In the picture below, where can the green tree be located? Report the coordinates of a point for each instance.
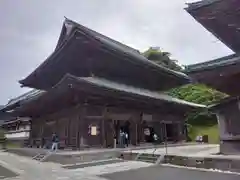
(196, 93)
(200, 94)
(162, 58)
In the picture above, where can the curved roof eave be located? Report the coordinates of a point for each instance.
(100, 82)
(223, 61)
(96, 82)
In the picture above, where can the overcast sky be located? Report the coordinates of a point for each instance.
(29, 30)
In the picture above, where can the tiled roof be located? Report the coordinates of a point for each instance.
(125, 52)
(124, 48)
(136, 91)
(109, 85)
(224, 61)
(199, 4)
(31, 94)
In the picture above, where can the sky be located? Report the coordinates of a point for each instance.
(29, 30)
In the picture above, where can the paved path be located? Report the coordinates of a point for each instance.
(190, 150)
(29, 169)
(147, 146)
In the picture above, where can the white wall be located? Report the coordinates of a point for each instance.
(17, 135)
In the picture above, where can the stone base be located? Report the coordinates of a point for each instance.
(230, 147)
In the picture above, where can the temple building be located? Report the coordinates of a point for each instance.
(221, 18)
(16, 130)
(91, 87)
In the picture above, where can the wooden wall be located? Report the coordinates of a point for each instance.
(73, 126)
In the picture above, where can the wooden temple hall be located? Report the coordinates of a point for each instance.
(91, 87)
(221, 17)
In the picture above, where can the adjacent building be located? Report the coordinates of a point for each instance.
(221, 18)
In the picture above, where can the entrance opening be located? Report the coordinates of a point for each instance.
(170, 132)
(148, 134)
(123, 126)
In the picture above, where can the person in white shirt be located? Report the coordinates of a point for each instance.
(126, 139)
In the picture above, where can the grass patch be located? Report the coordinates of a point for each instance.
(211, 131)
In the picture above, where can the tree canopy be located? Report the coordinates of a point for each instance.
(162, 58)
(196, 93)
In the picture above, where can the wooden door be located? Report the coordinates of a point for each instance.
(109, 133)
(72, 133)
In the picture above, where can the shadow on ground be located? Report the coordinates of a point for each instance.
(168, 173)
(5, 173)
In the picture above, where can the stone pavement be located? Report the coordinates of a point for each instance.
(189, 150)
(169, 173)
(29, 169)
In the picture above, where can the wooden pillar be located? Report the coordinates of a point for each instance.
(41, 134)
(30, 134)
(80, 127)
(102, 129)
(136, 118)
(68, 131)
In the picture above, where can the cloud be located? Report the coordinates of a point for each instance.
(30, 29)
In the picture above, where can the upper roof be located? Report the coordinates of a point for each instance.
(82, 52)
(221, 18)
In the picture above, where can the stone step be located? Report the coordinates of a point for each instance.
(150, 158)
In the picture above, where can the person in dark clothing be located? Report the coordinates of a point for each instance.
(55, 142)
(43, 142)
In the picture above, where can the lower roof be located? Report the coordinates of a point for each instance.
(222, 74)
(104, 87)
(104, 83)
(212, 64)
(15, 101)
(224, 102)
(15, 120)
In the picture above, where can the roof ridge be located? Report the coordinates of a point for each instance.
(95, 32)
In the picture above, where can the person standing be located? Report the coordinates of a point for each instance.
(55, 142)
(126, 139)
(121, 138)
